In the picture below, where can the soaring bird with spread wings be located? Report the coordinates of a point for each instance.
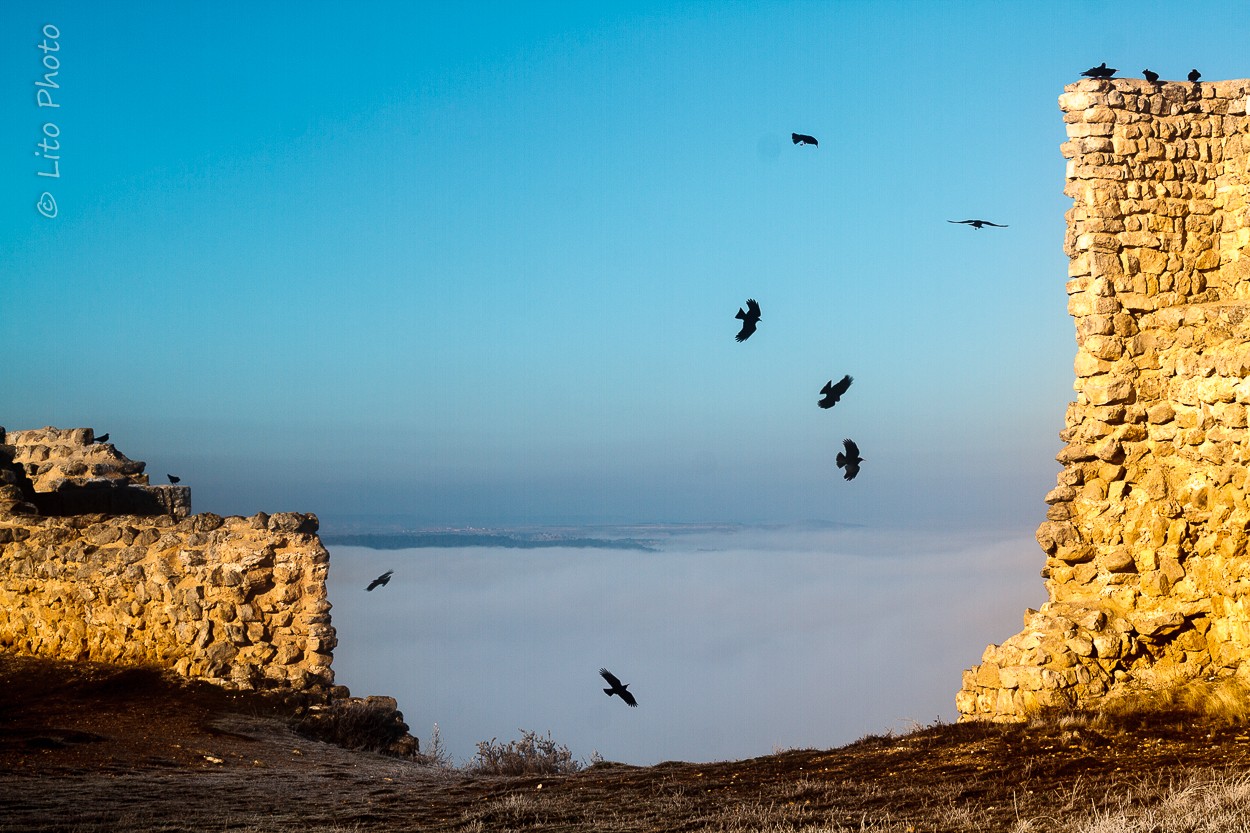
(804, 139)
(385, 578)
(976, 224)
(850, 460)
(621, 690)
(749, 319)
(832, 393)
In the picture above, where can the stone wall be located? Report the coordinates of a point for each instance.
(1147, 570)
(237, 601)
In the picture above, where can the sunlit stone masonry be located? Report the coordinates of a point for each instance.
(95, 564)
(1147, 569)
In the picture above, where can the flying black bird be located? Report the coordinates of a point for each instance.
(832, 393)
(1100, 71)
(749, 319)
(804, 139)
(976, 224)
(850, 460)
(1194, 75)
(103, 438)
(173, 479)
(380, 580)
(617, 688)
(1152, 77)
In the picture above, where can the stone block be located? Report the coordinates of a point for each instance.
(1107, 389)
(1080, 645)
(1160, 412)
(1159, 624)
(1119, 560)
(986, 675)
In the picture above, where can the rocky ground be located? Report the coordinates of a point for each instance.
(89, 748)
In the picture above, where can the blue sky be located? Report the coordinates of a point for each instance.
(480, 264)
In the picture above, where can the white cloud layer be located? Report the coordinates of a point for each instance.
(735, 643)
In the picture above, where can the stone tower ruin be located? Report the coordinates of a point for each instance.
(1147, 568)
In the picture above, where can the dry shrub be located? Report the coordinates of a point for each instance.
(531, 755)
(435, 754)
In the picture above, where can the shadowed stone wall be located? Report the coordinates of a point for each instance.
(1147, 569)
(72, 474)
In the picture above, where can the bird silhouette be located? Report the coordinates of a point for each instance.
(850, 460)
(804, 139)
(103, 438)
(173, 479)
(976, 224)
(749, 319)
(380, 580)
(832, 393)
(1152, 77)
(618, 689)
(1100, 71)
(1194, 75)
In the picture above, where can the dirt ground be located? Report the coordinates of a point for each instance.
(89, 748)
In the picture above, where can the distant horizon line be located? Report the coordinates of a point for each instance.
(394, 531)
(391, 522)
(617, 536)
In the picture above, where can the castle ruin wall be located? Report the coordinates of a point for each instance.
(1147, 570)
(236, 601)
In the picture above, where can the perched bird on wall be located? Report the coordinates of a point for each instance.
(173, 479)
(1194, 75)
(103, 438)
(1100, 71)
(832, 393)
(1152, 77)
(850, 460)
(617, 689)
(804, 139)
(749, 319)
(976, 224)
(380, 580)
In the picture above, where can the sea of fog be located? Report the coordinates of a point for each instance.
(737, 641)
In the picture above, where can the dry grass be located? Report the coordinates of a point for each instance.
(1190, 706)
(1221, 702)
(89, 750)
(1193, 802)
(1197, 803)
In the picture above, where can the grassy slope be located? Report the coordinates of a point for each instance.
(90, 748)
